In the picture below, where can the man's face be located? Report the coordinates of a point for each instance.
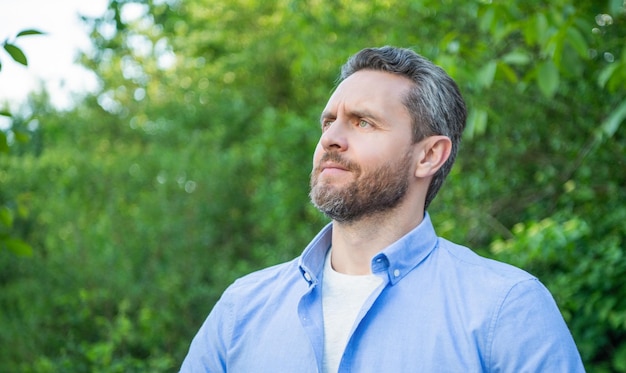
(363, 162)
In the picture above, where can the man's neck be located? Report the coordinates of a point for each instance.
(355, 243)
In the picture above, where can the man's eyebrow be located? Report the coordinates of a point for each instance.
(326, 114)
(365, 114)
(353, 113)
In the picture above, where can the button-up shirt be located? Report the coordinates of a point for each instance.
(440, 308)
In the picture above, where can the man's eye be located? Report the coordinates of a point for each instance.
(364, 124)
(326, 124)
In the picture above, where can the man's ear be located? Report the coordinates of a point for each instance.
(432, 153)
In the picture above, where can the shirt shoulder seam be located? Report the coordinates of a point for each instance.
(496, 316)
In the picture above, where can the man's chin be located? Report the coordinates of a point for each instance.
(329, 191)
(333, 182)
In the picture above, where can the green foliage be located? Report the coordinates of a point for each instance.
(585, 273)
(10, 208)
(14, 51)
(190, 167)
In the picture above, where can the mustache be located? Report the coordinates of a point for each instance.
(340, 160)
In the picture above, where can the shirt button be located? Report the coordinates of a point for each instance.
(396, 272)
(307, 276)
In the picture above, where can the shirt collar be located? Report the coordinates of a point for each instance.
(311, 261)
(397, 259)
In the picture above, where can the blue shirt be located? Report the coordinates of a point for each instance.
(440, 308)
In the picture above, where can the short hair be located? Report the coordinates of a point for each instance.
(434, 103)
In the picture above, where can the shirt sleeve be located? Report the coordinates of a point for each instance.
(207, 352)
(530, 335)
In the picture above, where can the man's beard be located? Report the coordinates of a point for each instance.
(379, 190)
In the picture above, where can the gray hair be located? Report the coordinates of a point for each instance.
(434, 103)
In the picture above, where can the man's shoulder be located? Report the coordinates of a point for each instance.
(486, 285)
(257, 297)
(260, 280)
(478, 265)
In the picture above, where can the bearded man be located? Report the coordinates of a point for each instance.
(377, 290)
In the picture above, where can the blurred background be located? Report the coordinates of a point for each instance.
(171, 155)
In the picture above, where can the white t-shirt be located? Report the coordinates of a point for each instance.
(342, 299)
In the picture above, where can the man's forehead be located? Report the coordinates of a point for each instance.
(366, 90)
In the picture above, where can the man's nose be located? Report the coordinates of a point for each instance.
(335, 136)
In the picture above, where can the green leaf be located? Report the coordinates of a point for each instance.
(610, 126)
(486, 20)
(541, 28)
(21, 136)
(578, 42)
(516, 58)
(6, 113)
(6, 217)
(18, 247)
(4, 145)
(548, 78)
(29, 32)
(16, 53)
(606, 74)
(485, 75)
(616, 6)
(619, 358)
(508, 72)
(476, 123)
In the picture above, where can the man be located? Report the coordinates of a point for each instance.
(376, 290)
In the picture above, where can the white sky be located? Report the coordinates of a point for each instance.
(50, 56)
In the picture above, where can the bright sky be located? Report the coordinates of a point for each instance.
(50, 56)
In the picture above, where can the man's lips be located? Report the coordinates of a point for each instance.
(332, 169)
(332, 166)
